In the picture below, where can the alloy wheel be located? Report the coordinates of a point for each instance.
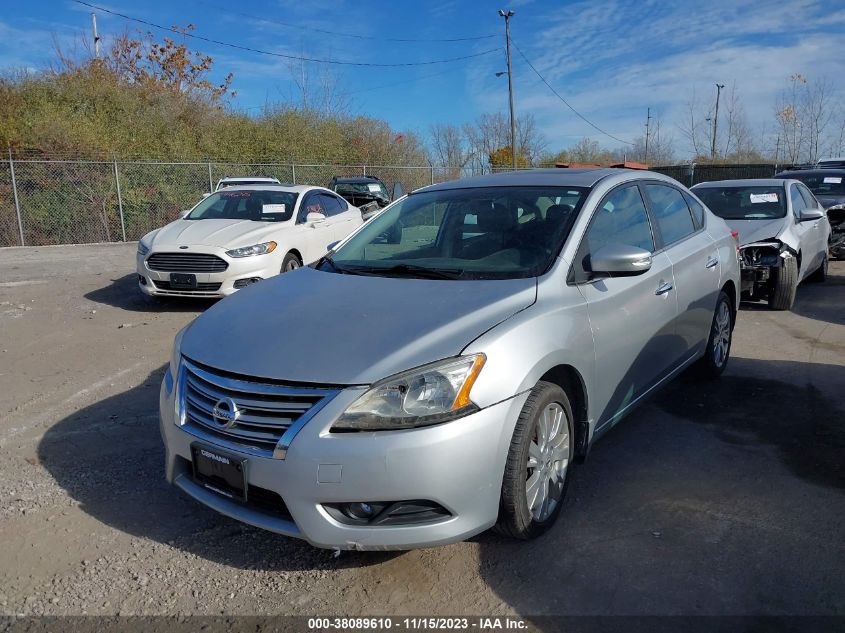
(721, 334)
(548, 460)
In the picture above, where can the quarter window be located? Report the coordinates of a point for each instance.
(622, 219)
(696, 209)
(671, 212)
(798, 204)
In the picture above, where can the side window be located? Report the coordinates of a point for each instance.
(798, 204)
(809, 198)
(311, 204)
(671, 212)
(331, 205)
(622, 219)
(696, 209)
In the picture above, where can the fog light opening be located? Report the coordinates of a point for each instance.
(243, 283)
(142, 280)
(360, 510)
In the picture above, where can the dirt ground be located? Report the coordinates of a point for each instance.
(718, 498)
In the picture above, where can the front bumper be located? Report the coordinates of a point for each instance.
(259, 266)
(458, 465)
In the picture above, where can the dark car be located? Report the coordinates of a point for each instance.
(368, 193)
(828, 185)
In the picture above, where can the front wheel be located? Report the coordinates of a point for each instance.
(719, 343)
(820, 274)
(537, 468)
(290, 262)
(784, 285)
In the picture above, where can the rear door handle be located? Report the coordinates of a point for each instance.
(712, 262)
(663, 288)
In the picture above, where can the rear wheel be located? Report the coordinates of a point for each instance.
(719, 343)
(784, 285)
(537, 468)
(291, 262)
(820, 274)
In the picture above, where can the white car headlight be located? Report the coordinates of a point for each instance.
(428, 395)
(255, 249)
(143, 249)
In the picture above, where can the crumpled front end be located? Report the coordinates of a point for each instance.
(757, 263)
(836, 217)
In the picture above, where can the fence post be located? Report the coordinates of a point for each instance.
(365, 170)
(15, 193)
(293, 173)
(210, 181)
(119, 201)
(432, 174)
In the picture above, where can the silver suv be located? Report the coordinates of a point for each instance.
(441, 370)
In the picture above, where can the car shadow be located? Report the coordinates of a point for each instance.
(109, 457)
(819, 301)
(123, 293)
(717, 497)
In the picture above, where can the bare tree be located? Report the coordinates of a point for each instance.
(491, 132)
(661, 146)
(696, 128)
(818, 114)
(448, 148)
(319, 88)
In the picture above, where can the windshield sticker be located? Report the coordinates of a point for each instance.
(374, 188)
(234, 194)
(272, 208)
(833, 180)
(764, 197)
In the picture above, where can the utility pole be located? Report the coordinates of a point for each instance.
(507, 15)
(715, 122)
(647, 122)
(96, 37)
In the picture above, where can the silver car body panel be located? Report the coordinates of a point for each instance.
(621, 338)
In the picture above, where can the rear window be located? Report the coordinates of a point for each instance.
(744, 203)
(822, 184)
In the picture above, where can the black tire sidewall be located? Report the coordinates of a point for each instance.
(515, 518)
(290, 257)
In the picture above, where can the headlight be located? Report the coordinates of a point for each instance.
(143, 249)
(427, 395)
(255, 249)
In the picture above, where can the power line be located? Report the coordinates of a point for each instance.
(284, 55)
(566, 103)
(352, 35)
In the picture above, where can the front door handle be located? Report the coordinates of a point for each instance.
(712, 262)
(663, 288)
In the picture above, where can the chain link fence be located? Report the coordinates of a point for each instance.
(45, 202)
(76, 202)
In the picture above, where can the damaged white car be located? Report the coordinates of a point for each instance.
(783, 234)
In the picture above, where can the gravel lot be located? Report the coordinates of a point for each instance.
(724, 498)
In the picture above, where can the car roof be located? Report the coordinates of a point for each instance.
(274, 187)
(824, 171)
(743, 182)
(556, 176)
(353, 179)
(257, 178)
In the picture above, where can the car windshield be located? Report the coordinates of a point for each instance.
(744, 203)
(367, 188)
(259, 205)
(830, 184)
(475, 233)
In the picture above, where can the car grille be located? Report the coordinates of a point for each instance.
(269, 416)
(201, 287)
(187, 262)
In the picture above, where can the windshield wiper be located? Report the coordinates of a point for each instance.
(412, 270)
(327, 259)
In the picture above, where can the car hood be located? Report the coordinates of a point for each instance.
(756, 230)
(326, 328)
(221, 233)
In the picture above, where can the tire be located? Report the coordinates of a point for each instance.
(546, 410)
(784, 284)
(290, 262)
(820, 274)
(718, 350)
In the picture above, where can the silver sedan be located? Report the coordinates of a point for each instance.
(441, 370)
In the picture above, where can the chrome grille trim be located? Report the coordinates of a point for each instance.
(187, 263)
(272, 414)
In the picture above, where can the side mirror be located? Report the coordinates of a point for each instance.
(184, 214)
(397, 191)
(620, 259)
(315, 218)
(808, 215)
(205, 195)
(330, 248)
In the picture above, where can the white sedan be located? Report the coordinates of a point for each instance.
(241, 235)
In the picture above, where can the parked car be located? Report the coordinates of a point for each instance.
(365, 192)
(783, 234)
(440, 372)
(240, 235)
(229, 181)
(828, 186)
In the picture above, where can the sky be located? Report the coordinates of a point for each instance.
(611, 60)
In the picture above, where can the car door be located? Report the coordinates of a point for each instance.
(807, 232)
(632, 317)
(348, 217)
(821, 227)
(695, 266)
(313, 237)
